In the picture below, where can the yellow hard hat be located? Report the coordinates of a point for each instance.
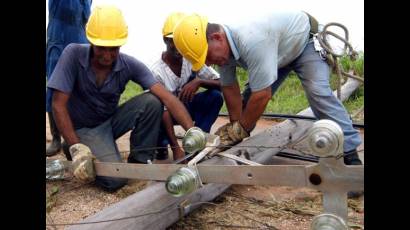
(106, 27)
(190, 39)
(171, 21)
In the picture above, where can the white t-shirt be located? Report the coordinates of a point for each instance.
(173, 83)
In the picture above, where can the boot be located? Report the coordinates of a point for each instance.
(162, 154)
(352, 158)
(55, 145)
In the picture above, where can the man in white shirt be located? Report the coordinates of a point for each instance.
(175, 73)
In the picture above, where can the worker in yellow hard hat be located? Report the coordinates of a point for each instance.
(88, 81)
(176, 75)
(268, 47)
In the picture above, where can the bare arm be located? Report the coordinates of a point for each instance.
(188, 91)
(174, 106)
(169, 127)
(233, 100)
(210, 84)
(62, 118)
(254, 108)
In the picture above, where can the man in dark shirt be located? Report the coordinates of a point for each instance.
(88, 81)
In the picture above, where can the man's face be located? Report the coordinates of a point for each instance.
(218, 52)
(106, 56)
(171, 48)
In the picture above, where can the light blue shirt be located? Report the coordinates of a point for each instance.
(263, 45)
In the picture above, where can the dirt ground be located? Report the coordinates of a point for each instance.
(250, 207)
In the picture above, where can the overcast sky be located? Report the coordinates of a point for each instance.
(145, 18)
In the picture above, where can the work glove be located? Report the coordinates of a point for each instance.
(222, 129)
(83, 167)
(232, 134)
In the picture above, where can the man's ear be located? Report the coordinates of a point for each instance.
(215, 36)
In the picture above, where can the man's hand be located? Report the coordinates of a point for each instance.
(178, 153)
(83, 166)
(188, 91)
(232, 134)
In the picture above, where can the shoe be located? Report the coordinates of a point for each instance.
(53, 148)
(352, 158)
(55, 145)
(162, 154)
(135, 161)
(355, 194)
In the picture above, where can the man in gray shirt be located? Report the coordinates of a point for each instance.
(88, 81)
(269, 47)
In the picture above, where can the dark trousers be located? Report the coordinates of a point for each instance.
(141, 114)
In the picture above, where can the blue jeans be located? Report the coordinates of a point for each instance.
(204, 110)
(314, 74)
(141, 114)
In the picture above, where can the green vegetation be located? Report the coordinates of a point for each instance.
(290, 97)
(130, 91)
(51, 198)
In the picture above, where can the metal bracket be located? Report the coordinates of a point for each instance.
(330, 175)
(239, 159)
(182, 208)
(214, 141)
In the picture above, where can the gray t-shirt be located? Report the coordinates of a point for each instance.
(90, 105)
(264, 44)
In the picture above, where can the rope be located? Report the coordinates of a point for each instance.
(333, 57)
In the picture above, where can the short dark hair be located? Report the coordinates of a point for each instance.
(212, 28)
(167, 39)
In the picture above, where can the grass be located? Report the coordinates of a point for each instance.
(51, 198)
(290, 97)
(132, 89)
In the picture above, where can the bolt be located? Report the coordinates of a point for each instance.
(315, 179)
(250, 176)
(321, 142)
